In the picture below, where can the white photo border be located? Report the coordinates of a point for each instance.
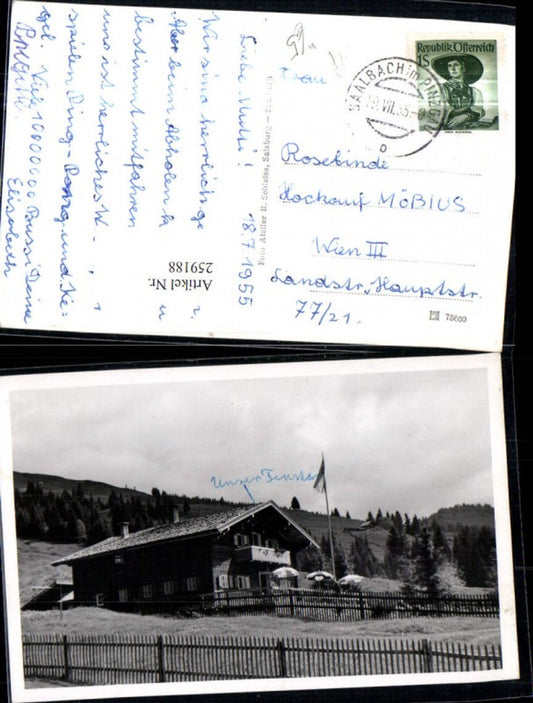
(206, 374)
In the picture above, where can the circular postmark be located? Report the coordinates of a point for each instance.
(401, 102)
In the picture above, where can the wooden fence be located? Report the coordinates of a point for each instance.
(110, 659)
(347, 607)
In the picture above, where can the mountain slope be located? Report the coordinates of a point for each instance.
(58, 484)
(471, 515)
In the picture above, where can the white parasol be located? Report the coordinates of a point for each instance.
(284, 572)
(350, 580)
(320, 576)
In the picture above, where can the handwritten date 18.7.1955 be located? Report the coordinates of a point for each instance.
(245, 273)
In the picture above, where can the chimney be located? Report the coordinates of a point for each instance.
(175, 514)
(124, 529)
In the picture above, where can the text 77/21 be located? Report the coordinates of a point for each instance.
(320, 313)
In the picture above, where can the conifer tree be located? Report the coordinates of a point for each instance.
(396, 553)
(487, 551)
(310, 559)
(97, 530)
(425, 564)
(362, 560)
(341, 565)
(398, 520)
(415, 526)
(440, 544)
(475, 555)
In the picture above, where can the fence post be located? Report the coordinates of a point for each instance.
(361, 604)
(161, 658)
(427, 661)
(291, 596)
(66, 658)
(280, 646)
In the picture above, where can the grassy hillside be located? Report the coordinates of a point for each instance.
(34, 565)
(317, 525)
(102, 621)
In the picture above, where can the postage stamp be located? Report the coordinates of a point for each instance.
(467, 72)
(402, 102)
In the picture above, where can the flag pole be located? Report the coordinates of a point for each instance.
(319, 484)
(330, 533)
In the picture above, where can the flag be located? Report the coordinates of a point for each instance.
(320, 481)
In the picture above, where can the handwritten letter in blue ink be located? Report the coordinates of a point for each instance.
(252, 175)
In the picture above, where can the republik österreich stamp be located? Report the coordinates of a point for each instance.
(467, 72)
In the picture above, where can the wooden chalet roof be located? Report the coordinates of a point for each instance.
(213, 523)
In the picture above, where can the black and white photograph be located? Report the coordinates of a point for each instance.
(226, 528)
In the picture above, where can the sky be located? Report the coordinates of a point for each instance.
(410, 441)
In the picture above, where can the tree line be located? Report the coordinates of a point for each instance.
(417, 552)
(74, 516)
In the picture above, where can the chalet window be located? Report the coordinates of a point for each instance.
(99, 599)
(241, 540)
(243, 581)
(191, 583)
(271, 543)
(169, 587)
(223, 581)
(122, 595)
(256, 539)
(147, 590)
